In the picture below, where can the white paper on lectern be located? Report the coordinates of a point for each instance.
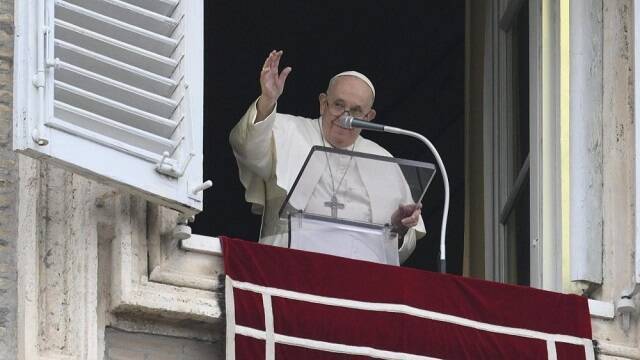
(349, 241)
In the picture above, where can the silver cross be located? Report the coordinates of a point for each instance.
(334, 205)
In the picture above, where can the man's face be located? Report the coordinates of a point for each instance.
(346, 94)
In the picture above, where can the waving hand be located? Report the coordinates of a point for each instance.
(271, 84)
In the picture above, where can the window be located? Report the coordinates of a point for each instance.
(507, 136)
(113, 90)
(515, 212)
(522, 156)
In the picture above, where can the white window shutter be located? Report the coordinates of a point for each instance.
(113, 89)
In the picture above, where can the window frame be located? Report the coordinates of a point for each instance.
(544, 115)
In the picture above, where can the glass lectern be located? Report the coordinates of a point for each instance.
(342, 202)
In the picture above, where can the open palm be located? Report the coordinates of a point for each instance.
(272, 82)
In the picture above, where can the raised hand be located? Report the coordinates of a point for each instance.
(271, 83)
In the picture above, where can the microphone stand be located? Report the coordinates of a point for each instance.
(351, 122)
(445, 180)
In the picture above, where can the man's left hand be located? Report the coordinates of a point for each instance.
(405, 217)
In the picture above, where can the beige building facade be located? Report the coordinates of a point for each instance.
(90, 269)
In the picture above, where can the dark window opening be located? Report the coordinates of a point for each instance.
(412, 50)
(520, 240)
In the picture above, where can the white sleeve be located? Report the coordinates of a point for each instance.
(252, 143)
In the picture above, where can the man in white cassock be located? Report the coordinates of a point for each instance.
(271, 148)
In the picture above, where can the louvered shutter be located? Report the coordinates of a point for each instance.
(118, 92)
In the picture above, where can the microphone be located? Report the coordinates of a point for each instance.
(349, 122)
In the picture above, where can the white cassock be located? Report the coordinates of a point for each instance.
(270, 155)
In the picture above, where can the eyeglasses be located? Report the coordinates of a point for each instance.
(338, 108)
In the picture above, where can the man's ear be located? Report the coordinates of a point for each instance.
(371, 115)
(322, 99)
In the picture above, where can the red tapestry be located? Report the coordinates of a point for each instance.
(290, 304)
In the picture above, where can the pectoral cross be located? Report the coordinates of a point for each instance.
(334, 205)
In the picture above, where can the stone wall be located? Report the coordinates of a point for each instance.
(122, 345)
(8, 190)
(83, 251)
(618, 175)
(83, 254)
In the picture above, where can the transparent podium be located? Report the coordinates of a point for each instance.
(342, 203)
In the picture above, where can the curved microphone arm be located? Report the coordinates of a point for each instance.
(351, 122)
(445, 180)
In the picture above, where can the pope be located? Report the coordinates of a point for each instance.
(271, 147)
